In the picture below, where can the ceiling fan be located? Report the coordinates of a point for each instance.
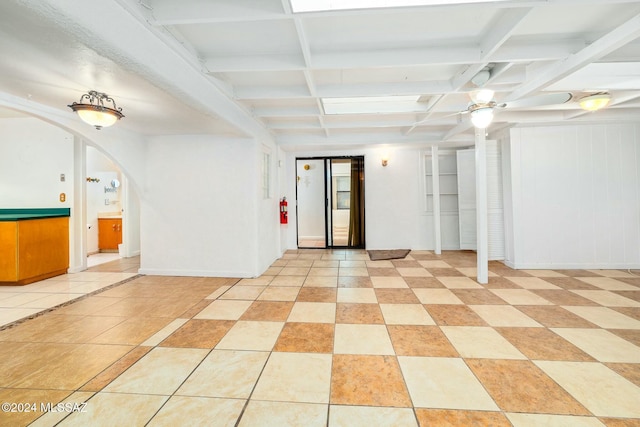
(483, 105)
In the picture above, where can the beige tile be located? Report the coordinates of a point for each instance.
(224, 310)
(325, 264)
(287, 281)
(353, 272)
(608, 283)
(503, 315)
(353, 264)
(362, 339)
(436, 296)
(324, 271)
(221, 290)
(459, 282)
(132, 410)
(607, 298)
(250, 335)
(537, 420)
(163, 333)
(480, 342)
(532, 283)
(357, 295)
(600, 344)
(225, 373)
(161, 371)
(279, 293)
(202, 411)
(405, 314)
(414, 272)
(473, 272)
(366, 416)
(379, 264)
(243, 293)
(51, 418)
(295, 377)
(520, 297)
(598, 388)
(257, 281)
(279, 414)
(388, 282)
(605, 317)
(321, 281)
(313, 312)
(442, 382)
(612, 273)
(294, 271)
(544, 273)
(300, 263)
(434, 264)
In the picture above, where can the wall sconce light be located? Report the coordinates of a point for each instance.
(595, 102)
(95, 112)
(385, 161)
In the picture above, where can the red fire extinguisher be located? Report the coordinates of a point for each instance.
(283, 210)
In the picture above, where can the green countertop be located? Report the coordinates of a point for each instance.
(33, 213)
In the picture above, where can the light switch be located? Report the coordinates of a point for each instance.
(62, 177)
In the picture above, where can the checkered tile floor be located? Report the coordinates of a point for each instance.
(331, 338)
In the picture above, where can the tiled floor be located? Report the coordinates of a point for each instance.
(330, 338)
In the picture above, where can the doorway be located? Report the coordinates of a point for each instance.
(330, 202)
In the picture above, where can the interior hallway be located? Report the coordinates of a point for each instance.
(331, 338)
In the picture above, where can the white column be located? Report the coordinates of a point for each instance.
(78, 225)
(481, 207)
(435, 178)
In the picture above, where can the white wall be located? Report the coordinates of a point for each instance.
(198, 211)
(33, 154)
(394, 207)
(267, 215)
(575, 197)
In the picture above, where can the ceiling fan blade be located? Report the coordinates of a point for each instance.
(539, 101)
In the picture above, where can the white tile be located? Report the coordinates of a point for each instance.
(481, 343)
(607, 298)
(504, 315)
(367, 416)
(445, 383)
(250, 335)
(598, 388)
(405, 314)
(161, 371)
(202, 411)
(313, 312)
(280, 414)
(608, 283)
(295, 377)
(601, 344)
(604, 317)
(362, 339)
(225, 373)
(436, 296)
(532, 283)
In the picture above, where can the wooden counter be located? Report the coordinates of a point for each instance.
(34, 244)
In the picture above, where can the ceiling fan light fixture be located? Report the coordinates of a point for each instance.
(482, 117)
(482, 96)
(595, 102)
(92, 109)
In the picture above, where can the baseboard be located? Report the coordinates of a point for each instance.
(196, 273)
(571, 266)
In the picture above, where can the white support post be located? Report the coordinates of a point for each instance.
(435, 177)
(78, 224)
(481, 207)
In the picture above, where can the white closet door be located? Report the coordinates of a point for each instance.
(467, 198)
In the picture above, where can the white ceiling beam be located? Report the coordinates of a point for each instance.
(276, 112)
(611, 41)
(272, 92)
(284, 62)
(396, 57)
(384, 89)
(541, 50)
(171, 12)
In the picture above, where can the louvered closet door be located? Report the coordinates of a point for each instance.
(467, 200)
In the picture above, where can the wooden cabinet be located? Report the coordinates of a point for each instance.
(33, 249)
(109, 233)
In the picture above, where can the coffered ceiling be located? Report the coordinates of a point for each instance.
(241, 67)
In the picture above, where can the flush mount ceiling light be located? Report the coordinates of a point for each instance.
(595, 102)
(94, 111)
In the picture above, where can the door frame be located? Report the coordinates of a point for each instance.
(327, 200)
